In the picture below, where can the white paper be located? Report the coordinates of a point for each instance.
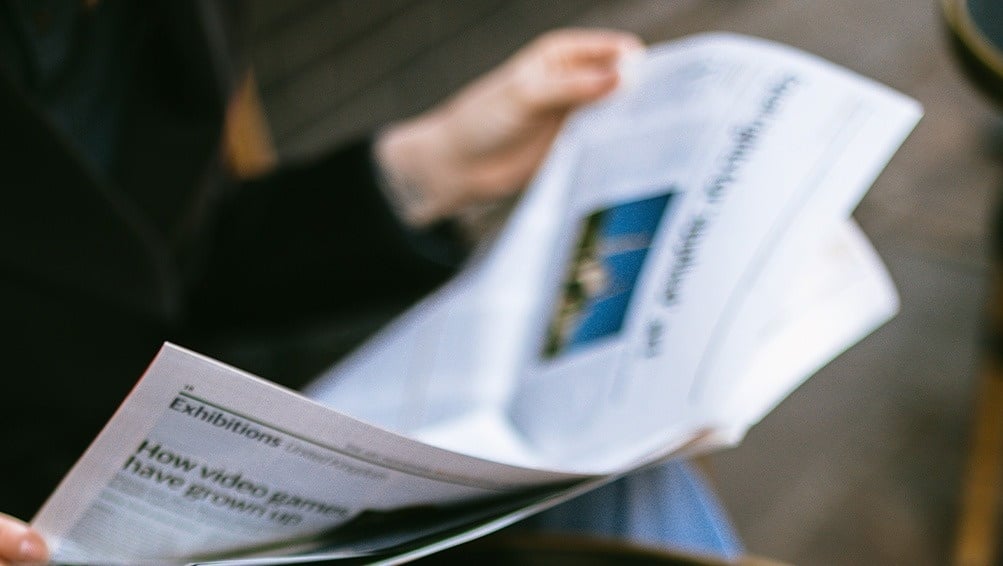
(737, 152)
(205, 459)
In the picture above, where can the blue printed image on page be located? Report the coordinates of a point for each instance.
(603, 273)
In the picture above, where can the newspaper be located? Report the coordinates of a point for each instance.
(683, 260)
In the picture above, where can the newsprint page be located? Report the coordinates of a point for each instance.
(684, 259)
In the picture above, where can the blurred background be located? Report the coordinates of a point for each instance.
(863, 464)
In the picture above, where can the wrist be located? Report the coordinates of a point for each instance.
(413, 158)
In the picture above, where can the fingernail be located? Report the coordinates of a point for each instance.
(32, 550)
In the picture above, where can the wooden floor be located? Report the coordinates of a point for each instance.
(862, 465)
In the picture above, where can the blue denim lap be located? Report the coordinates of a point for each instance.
(668, 506)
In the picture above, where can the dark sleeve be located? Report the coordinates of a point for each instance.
(315, 240)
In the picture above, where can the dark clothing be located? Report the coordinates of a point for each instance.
(98, 269)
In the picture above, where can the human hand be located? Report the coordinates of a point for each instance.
(19, 543)
(486, 141)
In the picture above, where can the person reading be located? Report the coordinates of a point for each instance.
(123, 229)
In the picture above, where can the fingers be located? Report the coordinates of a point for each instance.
(19, 543)
(486, 141)
(567, 68)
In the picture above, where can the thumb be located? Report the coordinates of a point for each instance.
(573, 88)
(573, 67)
(20, 543)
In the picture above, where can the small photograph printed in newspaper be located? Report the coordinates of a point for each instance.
(602, 273)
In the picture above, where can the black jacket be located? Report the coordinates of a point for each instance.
(95, 275)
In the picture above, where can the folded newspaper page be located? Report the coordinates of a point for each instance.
(623, 302)
(684, 259)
